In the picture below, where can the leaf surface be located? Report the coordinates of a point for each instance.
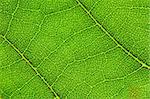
(74, 49)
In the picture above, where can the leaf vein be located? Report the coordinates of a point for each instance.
(81, 60)
(111, 37)
(30, 64)
(23, 85)
(65, 42)
(120, 78)
(40, 25)
(12, 17)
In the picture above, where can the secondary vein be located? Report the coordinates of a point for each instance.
(111, 37)
(30, 64)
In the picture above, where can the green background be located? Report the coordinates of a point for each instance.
(68, 49)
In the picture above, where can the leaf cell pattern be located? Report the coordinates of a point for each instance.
(74, 49)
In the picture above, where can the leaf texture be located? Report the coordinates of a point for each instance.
(74, 49)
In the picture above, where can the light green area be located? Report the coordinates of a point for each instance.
(74, 49)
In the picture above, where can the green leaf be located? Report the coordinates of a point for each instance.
(74, 49)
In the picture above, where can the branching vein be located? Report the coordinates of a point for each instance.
(12, 17)
(111, 37)
(30, 64)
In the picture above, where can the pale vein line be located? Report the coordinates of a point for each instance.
(12, 63)
(62, 10)
(88, 93)
(84, 82)
(111, 37)
(12, 17)
(112, 97)
(91, 42)
(29, 63)
(34, 35)
(62, 72)
(120, 78)
(89, 90)
(108, 79)
(109, 50)
(109, 14)
(27, 82)
(43, 22)
(86, 58)
(94, 5)
(118, 64)
(2, 41)
(73, 89)
(52, 13)
(65, 42)
(86, 45)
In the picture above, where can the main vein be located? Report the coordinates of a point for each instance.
(30, 64)
(111, 37)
